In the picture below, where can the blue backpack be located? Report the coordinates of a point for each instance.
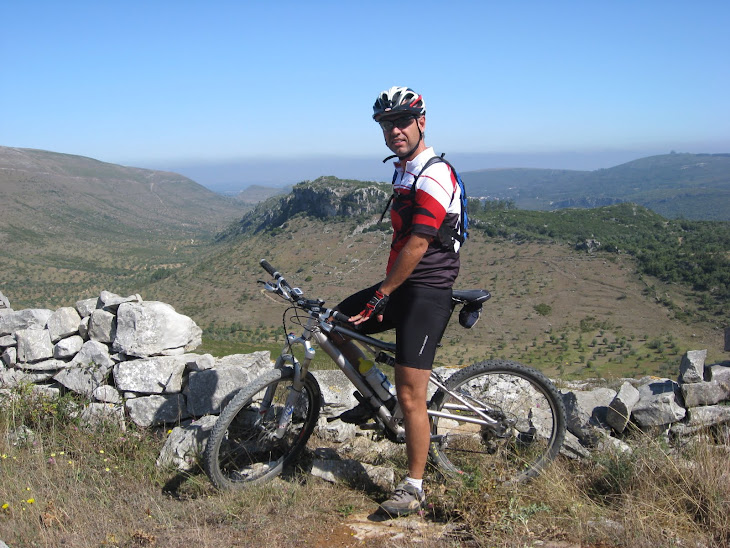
(446, 233)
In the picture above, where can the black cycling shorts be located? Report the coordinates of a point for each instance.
(418, 314)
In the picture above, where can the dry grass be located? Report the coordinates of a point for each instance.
(655, 496)
(67, 486)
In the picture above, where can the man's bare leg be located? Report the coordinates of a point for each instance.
(412, 385)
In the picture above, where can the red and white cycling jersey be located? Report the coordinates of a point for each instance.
(437, 199)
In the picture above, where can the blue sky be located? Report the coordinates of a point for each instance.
(166, 84)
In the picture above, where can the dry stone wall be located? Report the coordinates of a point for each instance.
(133, 361)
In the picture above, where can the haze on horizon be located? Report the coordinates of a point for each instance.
(232, 93)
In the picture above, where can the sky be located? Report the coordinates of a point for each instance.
(279, 91)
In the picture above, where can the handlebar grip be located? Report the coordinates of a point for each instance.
(268, 268)
(340, 317)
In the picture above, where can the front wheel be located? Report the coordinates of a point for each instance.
(524, 430)
(245, 446)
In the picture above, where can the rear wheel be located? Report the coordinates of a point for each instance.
(245, 447)
(528, 416)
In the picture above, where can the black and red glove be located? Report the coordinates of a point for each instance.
(375, 305)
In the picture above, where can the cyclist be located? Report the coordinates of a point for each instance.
(415, 296)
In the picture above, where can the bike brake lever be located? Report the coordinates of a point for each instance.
(268, 286)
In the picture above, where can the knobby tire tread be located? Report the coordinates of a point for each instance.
(240, 401)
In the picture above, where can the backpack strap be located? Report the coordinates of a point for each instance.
(390, 200)
(429, 163)
(445, 231)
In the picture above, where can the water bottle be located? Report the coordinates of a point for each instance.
(377, 380)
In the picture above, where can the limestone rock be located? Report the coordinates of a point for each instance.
(692, 366)
(149, 328)
(199, 362)
(336, 431)
(157, 409)
(10, 378)
(44, 365)
(709, 415)
(34, 345)
(337, 392)
(659, 404)
(619, 411)
(88, 370)
(110, 301)
(586, 412)
(64, 322)
(186, 444)
(67, 348)
(102, 326)
(106, 394)
(31, 318)
(573, 448)
(85, 307)
(207, 391)
(154, 375)
(705, 393)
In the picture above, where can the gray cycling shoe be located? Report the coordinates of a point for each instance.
(405, 500)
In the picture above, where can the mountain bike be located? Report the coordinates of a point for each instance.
(495, 420)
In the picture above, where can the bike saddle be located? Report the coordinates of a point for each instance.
(470, 296)
(472, 300)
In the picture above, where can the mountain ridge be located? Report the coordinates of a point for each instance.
(675, 185)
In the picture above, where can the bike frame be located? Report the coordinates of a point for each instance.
(317, 328)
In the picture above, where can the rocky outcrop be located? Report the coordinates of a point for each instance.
(324, 197)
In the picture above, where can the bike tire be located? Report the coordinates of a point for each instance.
(241, 450)
(531, 416)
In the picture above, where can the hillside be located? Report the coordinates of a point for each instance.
(570, 311)
(691, 186)
(89, 194)
(70, 221)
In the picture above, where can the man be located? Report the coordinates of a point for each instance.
(415, 296)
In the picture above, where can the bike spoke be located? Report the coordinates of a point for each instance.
(524, 428)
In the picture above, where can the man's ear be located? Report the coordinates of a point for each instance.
(422, 123)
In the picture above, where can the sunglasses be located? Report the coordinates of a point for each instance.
(401, 123)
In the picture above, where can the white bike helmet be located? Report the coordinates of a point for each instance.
(397, 101)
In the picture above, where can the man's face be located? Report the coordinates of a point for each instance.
(402, 133)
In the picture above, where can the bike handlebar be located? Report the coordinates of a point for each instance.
(274, 273)
(338, 316)
(270, 269)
